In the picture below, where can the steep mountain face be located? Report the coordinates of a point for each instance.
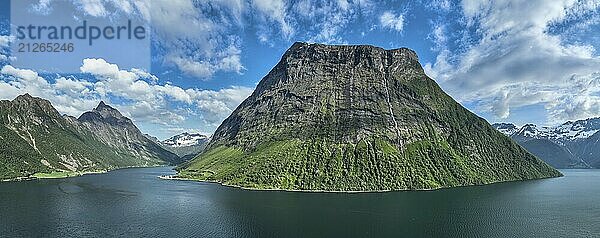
(119, 132)
(588, 150)
(34, 137)
(570, 145)
(357, 118)
(186, 145)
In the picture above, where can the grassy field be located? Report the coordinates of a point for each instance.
(62, 174)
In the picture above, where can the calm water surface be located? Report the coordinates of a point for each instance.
(134, 203)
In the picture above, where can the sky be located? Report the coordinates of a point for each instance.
(519, 61)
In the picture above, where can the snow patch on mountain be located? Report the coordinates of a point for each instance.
(186, 139)
(568, 131)
(506, 128)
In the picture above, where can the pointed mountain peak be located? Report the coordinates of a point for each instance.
(35, 102)
(26, 97)
(107, 111)
(101, 104)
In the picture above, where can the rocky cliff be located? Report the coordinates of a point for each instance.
(357, 118)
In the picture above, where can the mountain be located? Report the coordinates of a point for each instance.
(186, 139)
(186, 145)
(356, 118)
(119, 132)
(573, 144)
(34, 138)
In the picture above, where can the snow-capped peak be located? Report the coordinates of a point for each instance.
(506, 128)
(578, 130)
(568, 131)
(185, 139)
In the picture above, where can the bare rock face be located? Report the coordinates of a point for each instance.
(345, 93)
(357, 118)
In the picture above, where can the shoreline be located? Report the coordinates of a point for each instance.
(174, 177)
(65, 174)
(70, 174)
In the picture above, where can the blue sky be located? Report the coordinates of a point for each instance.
(521, 61)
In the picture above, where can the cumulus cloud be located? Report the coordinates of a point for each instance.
(92, 7)
(275, 10)
(5, 41)
(327, 20)
(392, 21)
(201, 38)
(68, 95)
(197, 37)
(517, 62)
(135, 92)
(154, 99)
(441, 4)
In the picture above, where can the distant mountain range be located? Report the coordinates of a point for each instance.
(35, 138)
(185, 145)
(574, 144)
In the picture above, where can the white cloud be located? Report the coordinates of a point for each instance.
(229, 60)
(136, 94)
(201, 38)
(42, 7)
(68, 96)
(72, 87)
(25, 74)
(441, 4)
(194, 36)
(517, 63)
(5, 41)
(327, 19)
(275, 10)
(92, 7)
(100, 67)
(392, 21)
(200, 69)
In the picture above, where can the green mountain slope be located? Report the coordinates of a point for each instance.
(35, 138)
(357, 118)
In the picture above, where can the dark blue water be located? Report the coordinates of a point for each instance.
(134, 203)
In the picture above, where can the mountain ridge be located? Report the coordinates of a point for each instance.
(35, 138)
(568, 145)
